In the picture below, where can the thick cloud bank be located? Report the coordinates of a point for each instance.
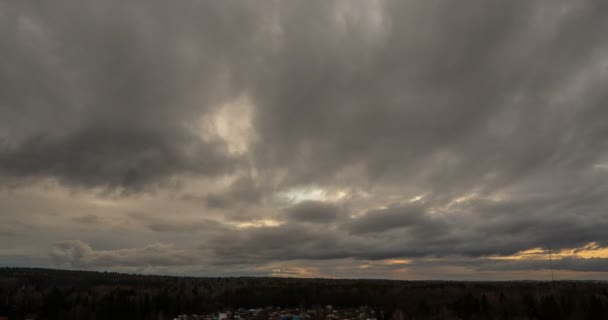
(304, 131)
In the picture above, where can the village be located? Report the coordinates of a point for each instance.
(276, 313)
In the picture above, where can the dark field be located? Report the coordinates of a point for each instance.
(56, 294)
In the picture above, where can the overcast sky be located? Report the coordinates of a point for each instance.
(360, 139)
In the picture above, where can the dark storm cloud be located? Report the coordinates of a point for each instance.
(102, 95)
(288, 242)
(109, 94)
(7, 231)
(183, 226)
(78, 254)
(176, 224)
(469, 96)
(313, 212)
(243, 191)
(130, 159)
(395, 217)
(88, 219)
(492, 112)
(481, 97)
(474, 230)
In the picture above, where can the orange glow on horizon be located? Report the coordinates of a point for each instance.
(590, 250)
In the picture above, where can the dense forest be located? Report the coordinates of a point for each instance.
(58, 294)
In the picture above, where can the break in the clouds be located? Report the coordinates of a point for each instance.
(400, 139)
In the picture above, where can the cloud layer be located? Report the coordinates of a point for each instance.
(317, 133)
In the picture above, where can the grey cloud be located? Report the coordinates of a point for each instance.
(465, 100)
(470, 95)
(7, 231)
(569, 264)
(182, 226)
(78, 254)
(109, 94)
(395, 217)
(131, 159)
(176, 224)
(263, 244)
(313, 212)
(410, 231)
(88, 219)
(243, 191)
(493, 111)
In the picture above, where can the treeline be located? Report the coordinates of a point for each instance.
(58, 294)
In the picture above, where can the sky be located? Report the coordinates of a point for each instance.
(461, 140)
